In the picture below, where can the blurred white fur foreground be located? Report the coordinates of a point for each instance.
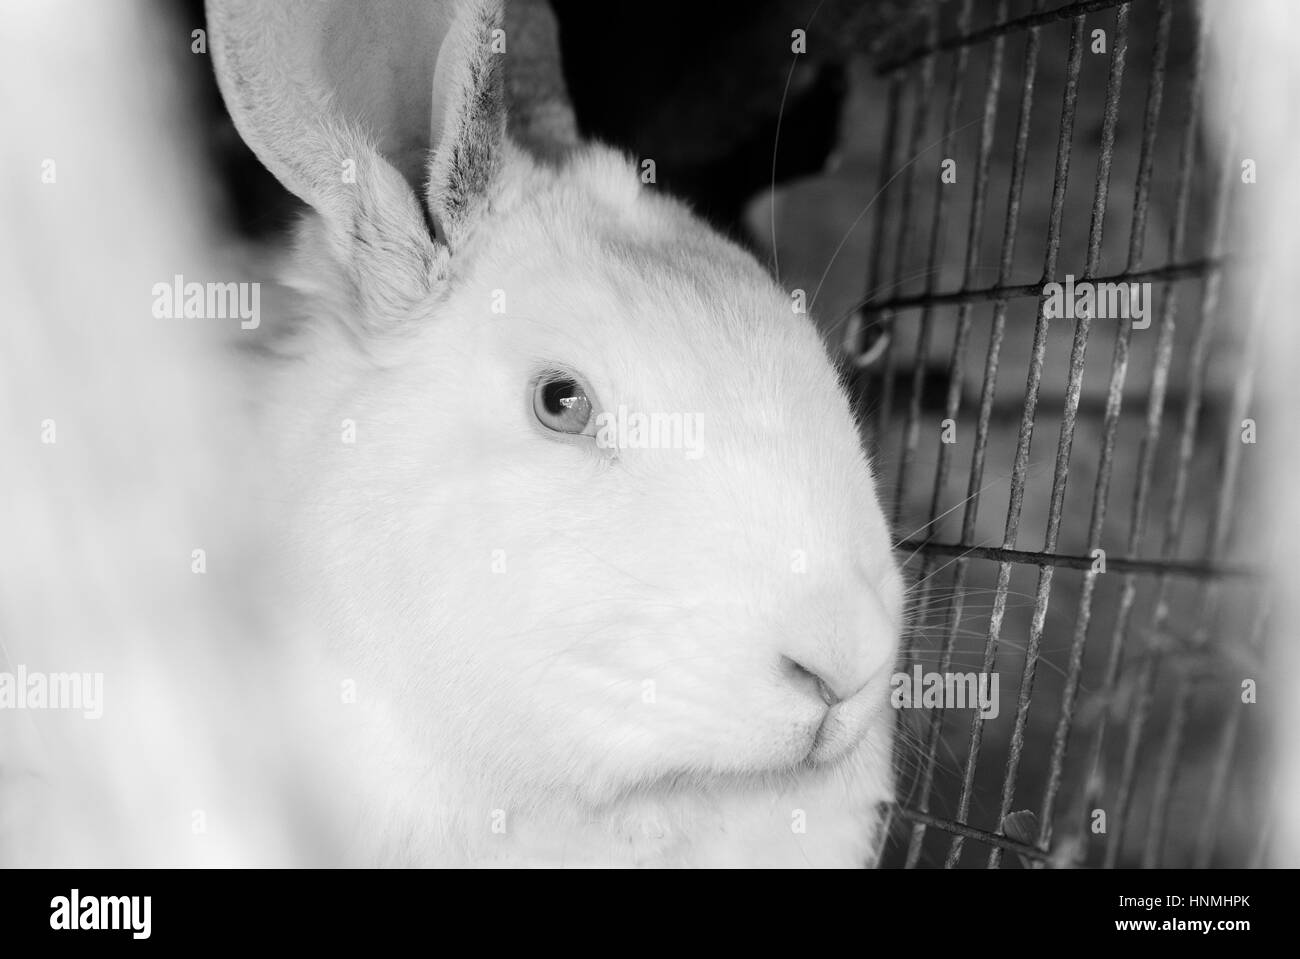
(196, 759)
(1253, 46)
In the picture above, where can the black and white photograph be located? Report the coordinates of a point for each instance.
(517, 435)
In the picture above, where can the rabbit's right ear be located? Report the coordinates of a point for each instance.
(389, 119)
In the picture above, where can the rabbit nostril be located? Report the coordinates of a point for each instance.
(823, 688)
(827, 694)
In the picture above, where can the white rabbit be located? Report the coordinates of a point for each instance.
(564, 651)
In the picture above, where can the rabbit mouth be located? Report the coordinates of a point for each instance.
(843, 727)
(829, 744)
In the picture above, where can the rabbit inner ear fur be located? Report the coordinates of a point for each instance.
(469, 110)
(354, 112)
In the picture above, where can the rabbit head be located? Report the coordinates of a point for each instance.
(577, 492)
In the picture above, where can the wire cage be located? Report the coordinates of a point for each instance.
(1069, 490)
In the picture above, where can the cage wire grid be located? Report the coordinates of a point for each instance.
(1148, 728)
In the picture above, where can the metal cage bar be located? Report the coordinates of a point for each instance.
(952, 402)
(1167, 321)
(1020, 466)
(1074, 389)
(1114, 400)
(1177, 271)
(915, 147)
(911, 424)
(975, 483)
(1038, 18)
(912, 81)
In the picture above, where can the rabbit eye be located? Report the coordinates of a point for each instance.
(561, 403)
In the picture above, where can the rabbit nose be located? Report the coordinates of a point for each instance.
(803, 673)
(834, 652)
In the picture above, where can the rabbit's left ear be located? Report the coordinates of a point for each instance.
(541, 115)
(468, 117)
(387, 118)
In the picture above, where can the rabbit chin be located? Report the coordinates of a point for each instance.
(806, 794)
(826, 814)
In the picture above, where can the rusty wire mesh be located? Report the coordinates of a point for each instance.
(1122, 692)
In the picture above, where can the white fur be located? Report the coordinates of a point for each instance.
(517, 698)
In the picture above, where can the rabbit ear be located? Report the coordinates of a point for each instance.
(344, 102)
(541, 116)
(468, 117)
